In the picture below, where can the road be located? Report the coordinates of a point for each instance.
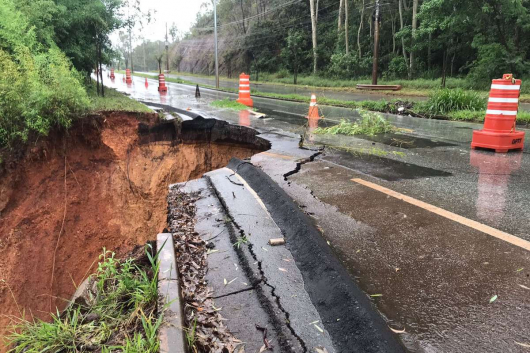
(346, 95)
(431, 229)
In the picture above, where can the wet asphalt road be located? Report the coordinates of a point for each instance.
(435, 276)
(347, 94)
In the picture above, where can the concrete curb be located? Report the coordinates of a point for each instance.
(171, 334)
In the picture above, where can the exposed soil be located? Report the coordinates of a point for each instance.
(104, 184)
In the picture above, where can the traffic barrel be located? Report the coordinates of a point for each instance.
(112, 76)
(244, 90)
(128, 79)
(162, 83)
(146, 83)
(499, 132)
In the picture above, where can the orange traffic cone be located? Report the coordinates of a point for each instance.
(313, 109)
(244, 90)
(146, 84)
(499, 132)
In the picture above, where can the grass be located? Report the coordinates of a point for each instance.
(114, 101)
(444, 101)
(370, 124)
(118, 313)
(228, 104)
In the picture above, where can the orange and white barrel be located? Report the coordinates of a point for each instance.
(128, 79)
(503, 103)
(244, 90)
(162, 83)
(499, 131)
(112, 76)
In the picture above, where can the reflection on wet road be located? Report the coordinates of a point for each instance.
(433, 276)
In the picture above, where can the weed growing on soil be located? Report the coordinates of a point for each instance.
(370, 124)
(443, 101)
(228, 104)
(114, 101)
(117, 311)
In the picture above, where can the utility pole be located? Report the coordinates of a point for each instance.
(167, 52)
(215, 35)
(376, 42)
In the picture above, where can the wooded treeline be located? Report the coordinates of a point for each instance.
(48, 50)
(334, 38)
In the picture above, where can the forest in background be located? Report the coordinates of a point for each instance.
(477, 40)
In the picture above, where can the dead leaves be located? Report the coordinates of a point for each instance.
(210, 333)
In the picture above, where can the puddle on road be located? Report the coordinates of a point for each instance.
(381, 167)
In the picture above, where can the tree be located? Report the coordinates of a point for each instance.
(174, 32)
(293, 54)
(314, 19)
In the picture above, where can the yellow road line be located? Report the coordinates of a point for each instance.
(449, 215)
(277, 155)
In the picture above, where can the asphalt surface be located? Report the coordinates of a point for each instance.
(429, 275)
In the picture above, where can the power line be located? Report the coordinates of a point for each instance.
(291, 2)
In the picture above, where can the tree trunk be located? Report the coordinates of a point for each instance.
(393, 34)
(444, 68)
(400, 5)
(131, 49)
(414, 26)
(376, 44)
(341, 6)
(243, 15)
(359, 32)
(453, 62)
(314, 33)
(346, 39)
(101, 73)
(429, 52)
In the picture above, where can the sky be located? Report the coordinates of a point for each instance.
(182, 12)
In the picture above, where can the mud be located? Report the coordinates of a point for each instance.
(102, 185)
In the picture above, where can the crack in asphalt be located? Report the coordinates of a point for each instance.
(233, 229)
(233, 293)
(299, 164)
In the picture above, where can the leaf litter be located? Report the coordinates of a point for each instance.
(209, 332)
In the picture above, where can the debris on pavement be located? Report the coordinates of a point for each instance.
(276, 241)
(202, 317)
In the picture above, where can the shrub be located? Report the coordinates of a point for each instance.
(38, 88)
(370, 124)
(443, 101)
(397, 68)
(347, 66)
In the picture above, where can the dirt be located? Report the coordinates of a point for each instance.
(74, 194)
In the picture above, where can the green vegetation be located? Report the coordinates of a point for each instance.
(114, 101)
(118, 312)
(228, 104)
(38, 87)
(446, 100)
(370, 124)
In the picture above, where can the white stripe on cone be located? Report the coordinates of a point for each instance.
(312, 104)
(244, 85)
(506, 87)
(244, 91)
(503, 100)
(501, 112)
(244, 79)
